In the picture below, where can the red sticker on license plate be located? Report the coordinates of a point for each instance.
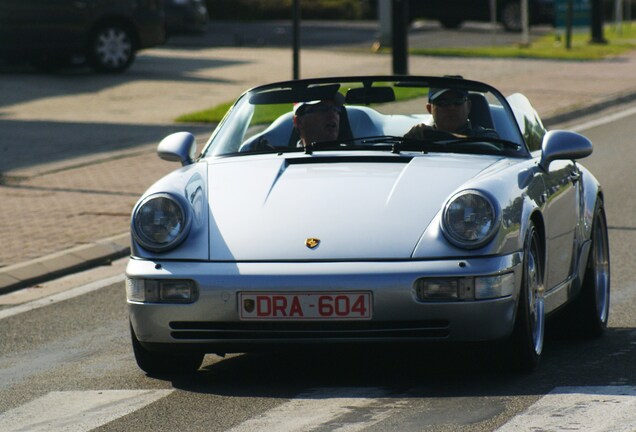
(305, 306)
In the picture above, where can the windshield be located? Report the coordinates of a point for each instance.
(369, 113)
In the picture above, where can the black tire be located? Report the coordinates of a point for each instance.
(111, 48)
(160, 363)
(526, 343)
(510, 16)
(589, 313)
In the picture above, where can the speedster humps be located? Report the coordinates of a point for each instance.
(316, 215)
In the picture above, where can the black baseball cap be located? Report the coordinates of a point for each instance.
(435, 93)
(300, 107)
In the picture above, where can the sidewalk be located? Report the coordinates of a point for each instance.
(63, 216)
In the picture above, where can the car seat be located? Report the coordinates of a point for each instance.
(480, 111)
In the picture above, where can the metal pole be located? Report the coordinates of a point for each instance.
(385, 20)
(525, 23)
(400, 18)
(296, 38)
(492, 4)
(618, 16)
(597, 23)
(568, 24)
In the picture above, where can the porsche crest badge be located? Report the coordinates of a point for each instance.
(249, 305)
(312, 242)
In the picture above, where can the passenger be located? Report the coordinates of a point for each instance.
(450, 108)
(318, 120)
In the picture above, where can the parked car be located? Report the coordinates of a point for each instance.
(106, 34)
(186, 16)
(260, 243)
(452, 13)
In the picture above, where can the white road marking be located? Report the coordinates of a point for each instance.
(310, 410)
(589, 409)
(603, 120)
(77, 411)
(65, 295)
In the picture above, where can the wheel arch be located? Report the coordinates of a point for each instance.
(535, 218)
(539, 224)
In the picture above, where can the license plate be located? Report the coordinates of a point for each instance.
(305, 306)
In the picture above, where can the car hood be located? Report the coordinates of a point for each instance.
(264, 208)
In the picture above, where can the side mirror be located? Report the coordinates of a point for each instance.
(179, 146)
(561, 145)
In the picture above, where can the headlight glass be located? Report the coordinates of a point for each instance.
(161, 222)
(469, 219)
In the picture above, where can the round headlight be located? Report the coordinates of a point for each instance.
(469, 219)
(161, 222)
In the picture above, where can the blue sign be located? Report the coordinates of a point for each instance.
(581, 13)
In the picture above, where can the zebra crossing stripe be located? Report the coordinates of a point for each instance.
(76, 411)
(319, 407)
(589, 409)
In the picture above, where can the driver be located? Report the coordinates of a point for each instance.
(318, 120)
(450, 108)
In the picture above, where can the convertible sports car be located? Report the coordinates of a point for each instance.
(266, 240)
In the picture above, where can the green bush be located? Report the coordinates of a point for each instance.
(282, 9)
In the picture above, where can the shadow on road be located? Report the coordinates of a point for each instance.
(433, 370)
(23, 84)
(28, 143)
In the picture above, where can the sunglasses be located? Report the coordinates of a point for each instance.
(450, 101)
(323, 109)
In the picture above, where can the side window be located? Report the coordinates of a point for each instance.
(528, 120)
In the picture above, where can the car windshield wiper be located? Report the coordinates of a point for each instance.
(450, 143)
(362, 143)
(437, 142)
(486, 140)
(378, 142)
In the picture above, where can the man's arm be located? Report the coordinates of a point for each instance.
(417, 132)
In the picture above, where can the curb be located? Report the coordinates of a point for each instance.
(101, 252)
(586, 110)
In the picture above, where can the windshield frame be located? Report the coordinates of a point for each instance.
(235, 124)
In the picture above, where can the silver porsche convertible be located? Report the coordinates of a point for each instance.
(352, 210)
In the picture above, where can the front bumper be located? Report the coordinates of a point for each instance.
(212, 322)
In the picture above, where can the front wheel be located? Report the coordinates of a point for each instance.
(526, 344)
(111, 48)
(160, 363)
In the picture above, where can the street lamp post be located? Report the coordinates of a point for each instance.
(296, 38)
(400, 23)
(597, 23)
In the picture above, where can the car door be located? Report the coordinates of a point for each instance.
(560, 197)
(42, 24)
(561, 214)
